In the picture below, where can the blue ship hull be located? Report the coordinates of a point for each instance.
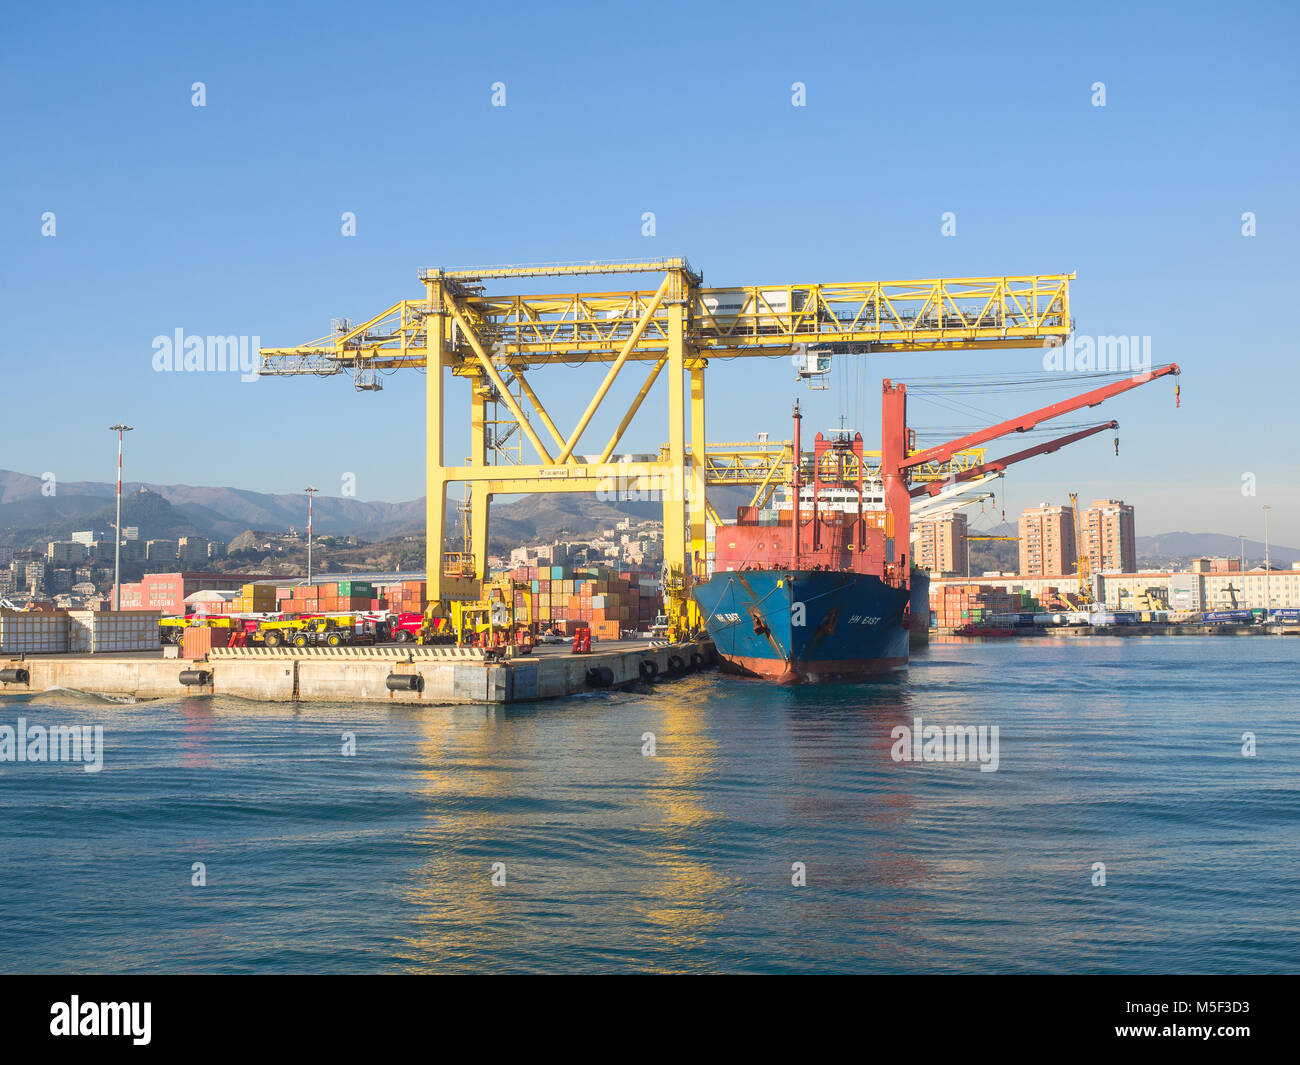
(805, 626)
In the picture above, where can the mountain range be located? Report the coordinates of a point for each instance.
(29, 517)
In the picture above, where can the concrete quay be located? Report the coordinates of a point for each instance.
(393, 674)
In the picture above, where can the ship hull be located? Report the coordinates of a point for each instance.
(918, 620)
(805, 626)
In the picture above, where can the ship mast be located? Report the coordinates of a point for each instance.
(794, 560)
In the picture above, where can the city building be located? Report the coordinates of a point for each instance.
(1183, 592)
(65, 551)
(192, 549)
(217, 549)
(33, 576)
(940, 546)
(132, 550)
(1216, 565)
(160, 550)
(167, 591)
(556, 554)
(1108, 538)
(90, 536)
(1047, 541)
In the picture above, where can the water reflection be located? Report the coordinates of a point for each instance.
(195, 741)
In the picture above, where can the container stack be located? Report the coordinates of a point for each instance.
(955, 605)
(332, 597)
(256, 598)
(566, 599)
(406, 597)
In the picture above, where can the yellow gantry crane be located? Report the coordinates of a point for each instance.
(499, 343)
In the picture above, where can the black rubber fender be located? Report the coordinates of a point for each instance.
(404, 682)
(600, 677)
(697, 661)
(649, 669)
(15, 676)
(191, 677)
(676, 667)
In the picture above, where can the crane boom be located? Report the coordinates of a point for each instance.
(897, 461)
(1025, 422)
(998, 465)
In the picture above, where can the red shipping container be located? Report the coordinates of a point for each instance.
(198, 640)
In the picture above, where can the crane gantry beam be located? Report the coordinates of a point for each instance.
(754, 320)
(494, 341)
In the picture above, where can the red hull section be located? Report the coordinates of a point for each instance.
(777, 671)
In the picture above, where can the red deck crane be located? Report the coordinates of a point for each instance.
(895, 461)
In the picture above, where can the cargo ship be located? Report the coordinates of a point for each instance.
(812, 589)
(818, 586)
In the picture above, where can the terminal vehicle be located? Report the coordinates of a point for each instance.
(406, 627)
(491, 623)
(172, 630)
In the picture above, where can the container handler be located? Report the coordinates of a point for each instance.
(490, 622)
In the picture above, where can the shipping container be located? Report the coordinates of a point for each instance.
(38, 632)
(106, 631)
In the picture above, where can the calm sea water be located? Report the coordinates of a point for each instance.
(1127, 752)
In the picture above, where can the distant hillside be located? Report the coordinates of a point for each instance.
(30, 519)
(27, 516)
(1181, 546)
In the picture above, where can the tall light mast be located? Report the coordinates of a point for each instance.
(310, 492)
(119, 428)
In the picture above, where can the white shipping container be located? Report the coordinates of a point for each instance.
(33, 633)
(107, 631)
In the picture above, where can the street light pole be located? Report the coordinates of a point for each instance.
(310, 492)
(119, 428)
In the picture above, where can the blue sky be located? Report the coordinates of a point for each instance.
(225, 219)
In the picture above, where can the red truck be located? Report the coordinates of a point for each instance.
(405, 627)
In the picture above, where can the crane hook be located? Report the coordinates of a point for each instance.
(1178, 393)
(1117, 446)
